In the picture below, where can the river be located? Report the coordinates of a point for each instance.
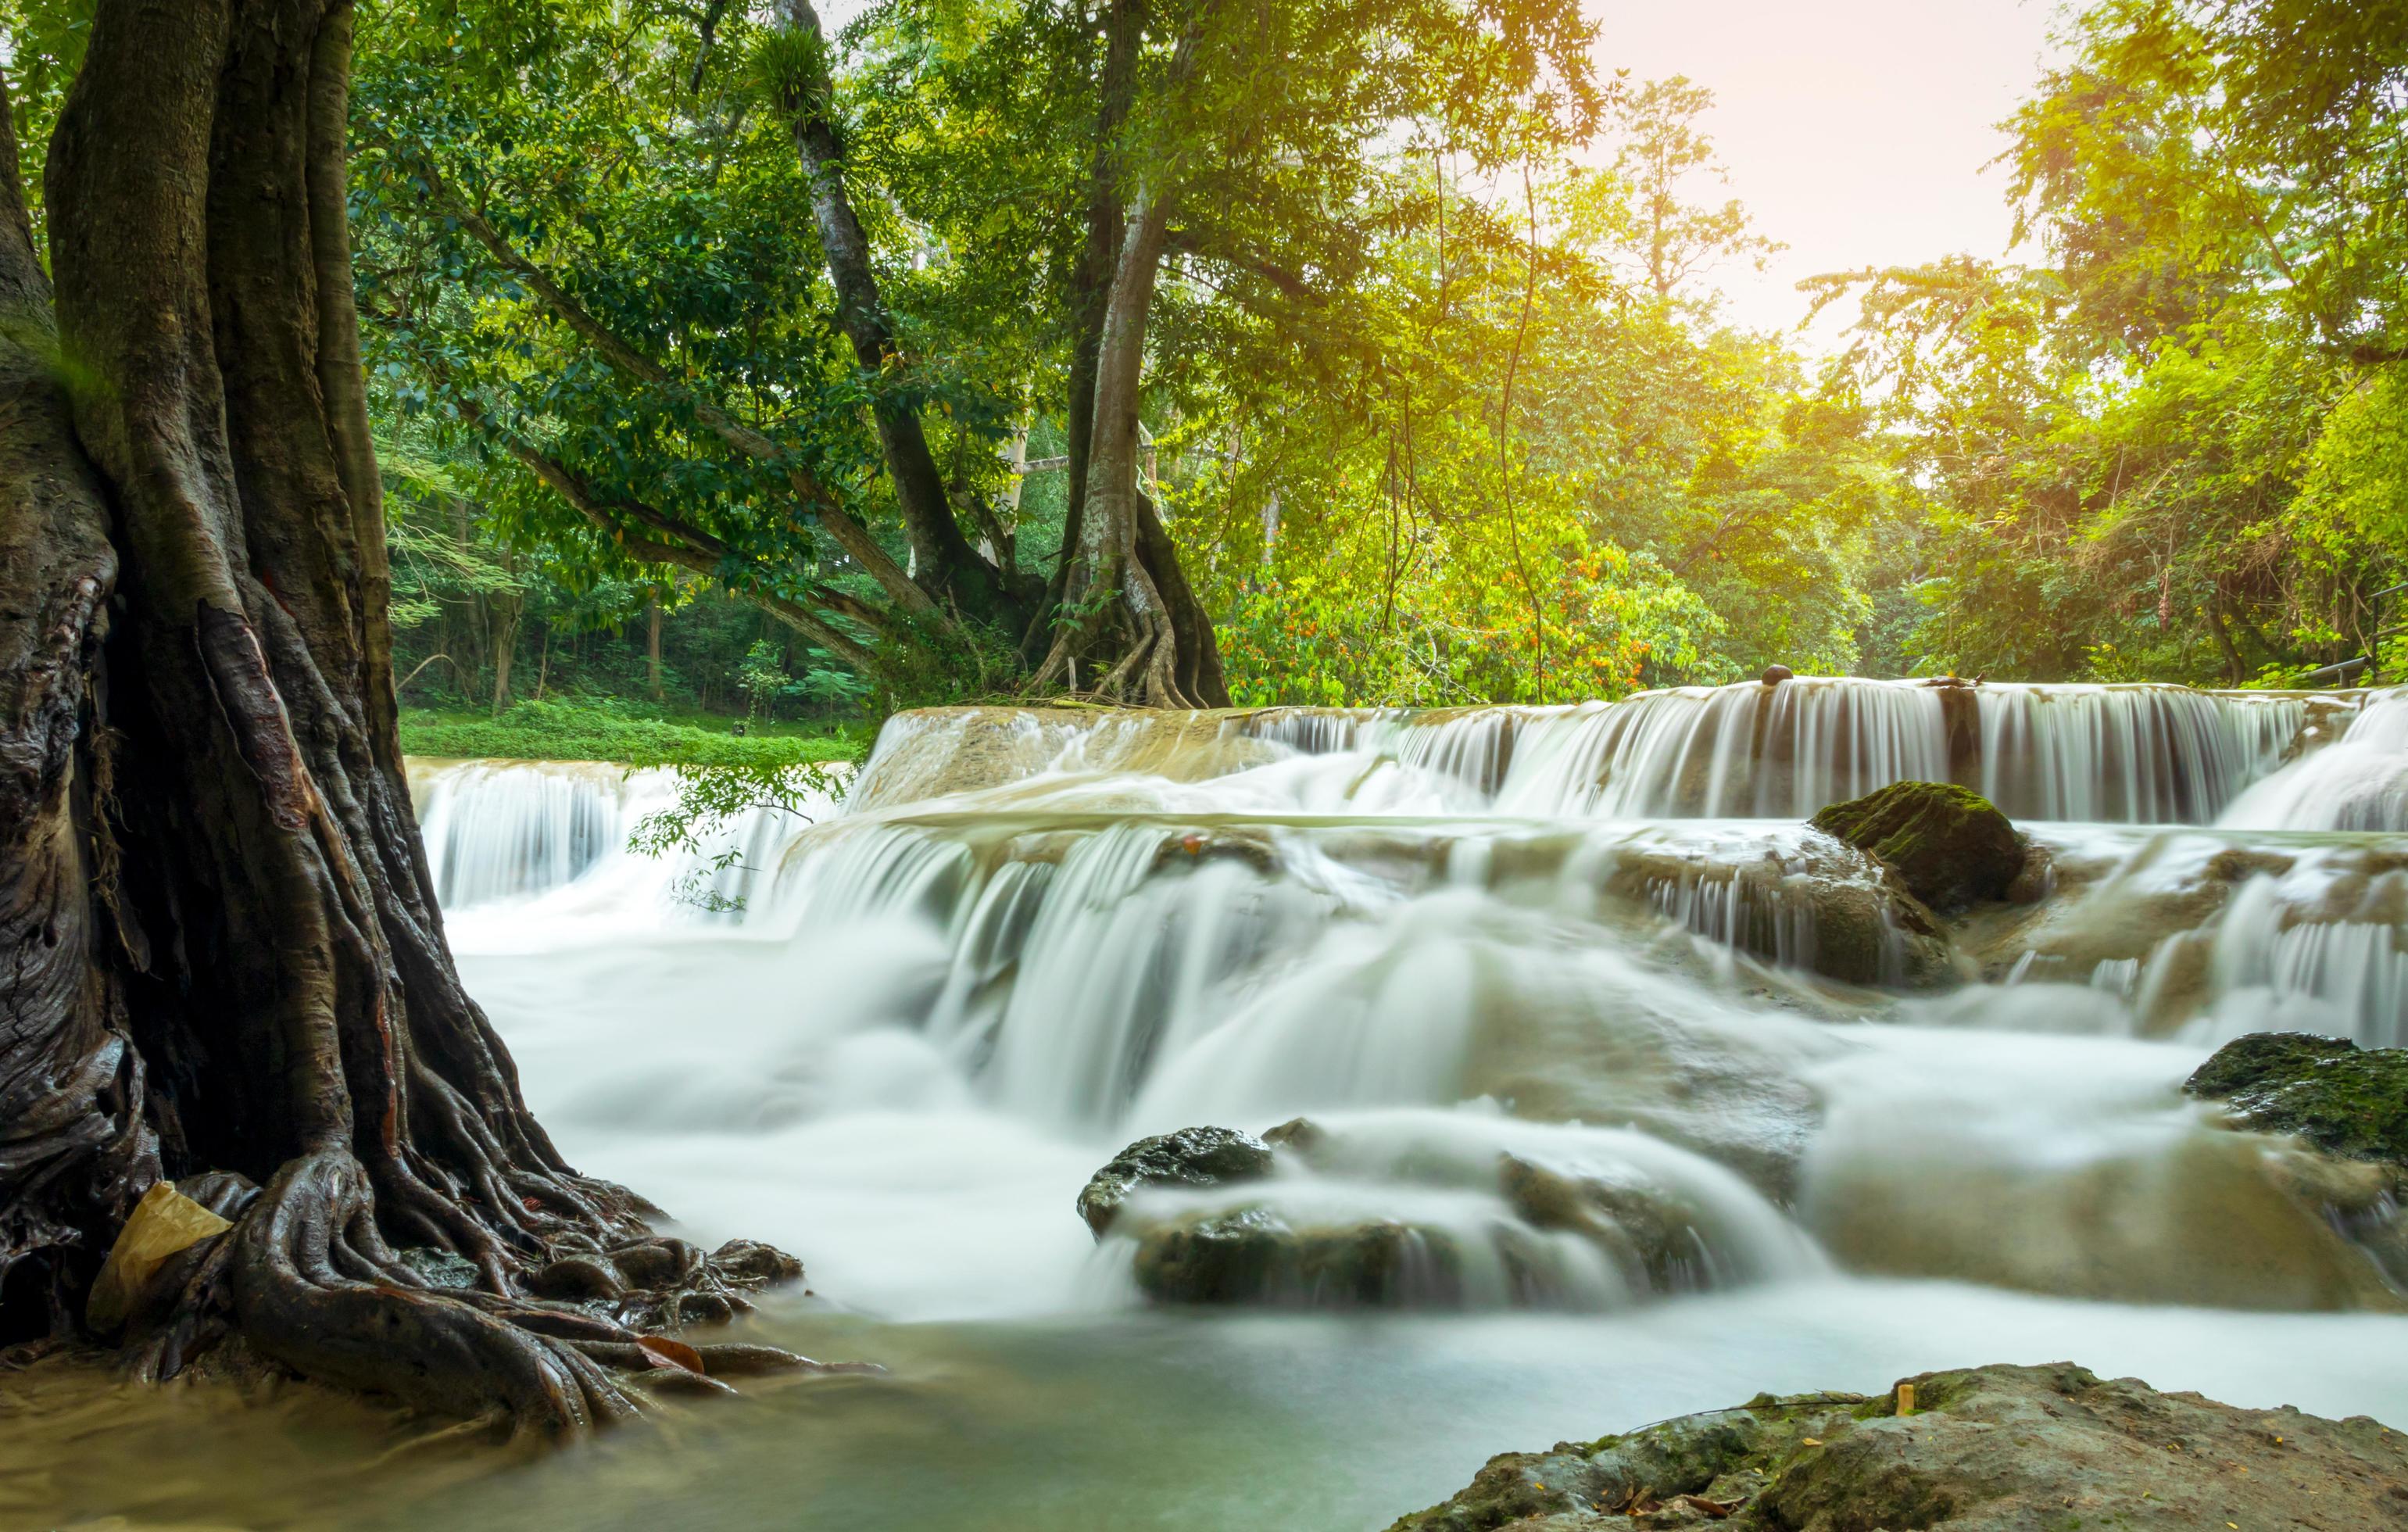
(1584, 939)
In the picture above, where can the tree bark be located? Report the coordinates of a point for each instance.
(504, 610)
(653, 647)
(1120, 594)
(1091, 279)
(240, 959)
(943, 560)
(1125, 578)
(74, 1147)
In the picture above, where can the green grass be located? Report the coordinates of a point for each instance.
(609, 730)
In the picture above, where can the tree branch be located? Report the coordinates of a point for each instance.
(687, 547)
(843, 527)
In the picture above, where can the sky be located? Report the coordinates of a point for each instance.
(1855, 130)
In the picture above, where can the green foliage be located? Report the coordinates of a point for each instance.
(2175, 452)
(605, 729)
(711, 798)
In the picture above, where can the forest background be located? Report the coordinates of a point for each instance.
(1437, 403)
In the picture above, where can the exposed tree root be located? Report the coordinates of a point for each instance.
(220, 957)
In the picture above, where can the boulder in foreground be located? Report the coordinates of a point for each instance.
(1995, 1449)
(1949, 845)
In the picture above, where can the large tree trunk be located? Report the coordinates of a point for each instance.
(1123, 606)
(74, 1147)
(1091, 279)
(233, 936)
(945, 562)
(1124, 579)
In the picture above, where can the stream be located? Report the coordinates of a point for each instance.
(1597, 941)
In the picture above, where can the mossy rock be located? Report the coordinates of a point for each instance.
(1949, 845)
(2347, 1100)
(1996, 1448)
(1197, 1157)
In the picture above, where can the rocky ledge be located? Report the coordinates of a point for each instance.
(1995, 1449)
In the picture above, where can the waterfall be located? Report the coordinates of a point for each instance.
(553, 835)
(2358, 783)
(2128, 754)
(1732, 752)
(2121, 753)
(2270, 971)
(1575, 1010)
(498, 829)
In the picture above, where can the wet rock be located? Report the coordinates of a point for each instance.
(1996, 1448)
(1831, 909)
(2347, 1100)
(1949, 845)
(1257, 1256)
(1301, 1135)
(1736, 1095)
(2036, 880)
(1647, 1236)
(1776, 674)
(941, 753)
(1198, 1157)
(1379, 1217)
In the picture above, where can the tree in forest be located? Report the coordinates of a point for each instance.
(769, 321)
(1664, 235)
(221, 958)
(2170, 450)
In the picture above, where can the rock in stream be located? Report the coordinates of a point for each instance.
(1995, 1449)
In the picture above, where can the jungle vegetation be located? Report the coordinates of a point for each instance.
(1163, 351)
(704, 343)
(1429, 397)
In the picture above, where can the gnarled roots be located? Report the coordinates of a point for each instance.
(306, 1278)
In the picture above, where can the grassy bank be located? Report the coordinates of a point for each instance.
(611, 731)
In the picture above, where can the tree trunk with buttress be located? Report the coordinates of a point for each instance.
(1129, 610)
(220, 957)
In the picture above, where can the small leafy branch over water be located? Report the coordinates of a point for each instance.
(722, 775)
(711, 799)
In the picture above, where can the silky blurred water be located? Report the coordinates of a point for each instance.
(1445, 941)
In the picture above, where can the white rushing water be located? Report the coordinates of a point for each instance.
(1587, 948)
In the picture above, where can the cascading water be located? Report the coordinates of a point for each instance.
(2112, 754)
(2128, 755)
(1736, 751)
(505, 832)
(1581, 1035)
(2359, 783)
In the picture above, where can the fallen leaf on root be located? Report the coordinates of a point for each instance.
(165, 1221)
(661, 1352)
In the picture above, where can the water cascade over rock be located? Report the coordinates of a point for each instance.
(1577, 1009)
(2099, 754)
(507, 830)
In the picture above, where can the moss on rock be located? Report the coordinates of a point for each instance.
(1996, 1448)
(2347, 1100)
(1949, 845)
